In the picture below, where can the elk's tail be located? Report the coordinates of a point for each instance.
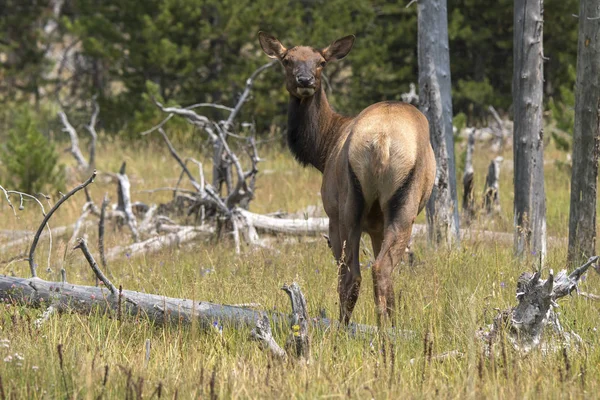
(380, 155)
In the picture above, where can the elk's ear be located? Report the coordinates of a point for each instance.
(338, 49)
(271, 46)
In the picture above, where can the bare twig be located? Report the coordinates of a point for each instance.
(88, 256)
(32, 264)
(8, 200)
(164, 121)
(179, 160)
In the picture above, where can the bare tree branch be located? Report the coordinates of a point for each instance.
(88, 256)
(249, 82)
(32, 264)
(82, 164)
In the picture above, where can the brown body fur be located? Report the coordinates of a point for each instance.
(378, 169)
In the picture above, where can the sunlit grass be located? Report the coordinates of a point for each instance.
(448, 294)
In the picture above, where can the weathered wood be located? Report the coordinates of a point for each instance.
(91, 128)
(179, 235)
(124, 202)
(34, 242)
(468, 180)
(82, 163)
(82, 244)
(530, 198)
(299, 341)
(159, 309)
(524, 324)
(586, 136)
(249, 83)
(491, 195)
(263, 334)
(308, 226)
(101, 231)
(436, 103)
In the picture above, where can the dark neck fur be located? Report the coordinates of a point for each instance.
(313, 129)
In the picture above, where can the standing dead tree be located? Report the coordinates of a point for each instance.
(82, 163)
(528, 148)
(586, 135)
(436, 103)
(468, 180)
(124, 202)
(491, 195)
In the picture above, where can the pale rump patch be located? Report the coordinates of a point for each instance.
(383, 148)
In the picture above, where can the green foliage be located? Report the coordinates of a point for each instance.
(23, 44)
(459, 121)
(29, 159)
(204, 50)
(563, 114)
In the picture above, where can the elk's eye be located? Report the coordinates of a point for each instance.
(286, 62)
(323, 64)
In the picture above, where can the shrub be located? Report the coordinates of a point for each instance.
(29, 159)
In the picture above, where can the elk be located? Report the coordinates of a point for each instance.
(378, 169)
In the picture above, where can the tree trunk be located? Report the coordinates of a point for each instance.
(436, 103)
(586, 136)
(530, 198)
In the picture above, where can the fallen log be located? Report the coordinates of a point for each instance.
(159, 309)
(177, 236)
(308, 226)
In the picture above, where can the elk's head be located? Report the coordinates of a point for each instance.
(304, 65)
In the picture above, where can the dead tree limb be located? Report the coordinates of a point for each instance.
(525, 323)
(498, 131)
(468, 180)
(82, 244)
(66, 297)
(179, 160)
(91, 128)
(263, 334)
(299, 342)
(82, 164)
(34, 243)
(491, 196)
(308, 226)
(124, 202)
(412, 96)
(249, 83)
(178, 236)
(101, 231)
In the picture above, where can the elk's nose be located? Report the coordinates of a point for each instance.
(305, 81)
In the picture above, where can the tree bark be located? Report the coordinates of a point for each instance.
(468, 181)
(491, 196)
(586, 136)
(530, 198)
(436, 103)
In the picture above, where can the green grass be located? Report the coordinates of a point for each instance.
(448, 294)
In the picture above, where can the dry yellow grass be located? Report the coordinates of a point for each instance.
(449, 294)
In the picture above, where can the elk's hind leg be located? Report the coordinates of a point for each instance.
(399, 216)
(349, 277)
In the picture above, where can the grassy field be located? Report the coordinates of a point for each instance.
(446, 295)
